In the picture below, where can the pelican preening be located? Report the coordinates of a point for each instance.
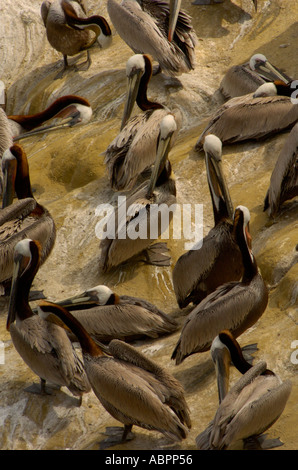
(44, 346)
(134, 149)
(284, 178)
(23, 218)
(70, 31)
(131, 387)
(71, 109)
(156, 28)
(235, 305)
(251, 406)
(105, 315)
(199, 272)
(121, 241)
(247, 78)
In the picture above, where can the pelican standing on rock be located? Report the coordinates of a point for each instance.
(70, 31)
(200, 271)
(71, 109)
(156, 28)
(121, 240)
(251, 406)
(284, 178)
(235, 305)
(106, 315)
(23, 218)
(247, 78)
(134, 149)
(131, 387)
(44, 346)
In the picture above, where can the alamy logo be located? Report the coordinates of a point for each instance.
(151, 222)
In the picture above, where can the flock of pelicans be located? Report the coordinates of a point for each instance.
(221, 279)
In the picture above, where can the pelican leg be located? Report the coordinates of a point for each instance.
(65, 67)
(41, 389)
(84, 65)
(117, 435)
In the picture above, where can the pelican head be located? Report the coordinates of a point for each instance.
(9, 170)
(242, 213)
(135, 69)
(260, 64)
(216, 179)
(98, 295)
(167, 128)
(267, 89)
(25, 251)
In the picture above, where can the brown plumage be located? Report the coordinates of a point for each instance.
(23, 218)
(284, 178)
(131, 387)
(44, 346)
(252, 405)
(106, 315)
(235, 306)
(199, 272)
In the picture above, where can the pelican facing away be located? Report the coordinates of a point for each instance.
(235, 305)
(106, 315)
(122, 241)
(284, 178)
(247, 78)
(44, 346)
(71, 109)
(131, 387)
(252, 117)
(154, 27)
(199, 272)
(70, 31)
(134, 149)
(251, 406)
(23, 218)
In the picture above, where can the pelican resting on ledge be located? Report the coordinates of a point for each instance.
(106, 315)
(120, 241)
(70, 31)
(199, 272)
(284, 178)
(71, 109)
(44, 346)
(23, 218)
(235, 305)
(133, 389)
(251, 406)
(134, 149)
(157, 28)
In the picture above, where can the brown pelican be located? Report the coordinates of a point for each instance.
(6, 140)
(252, 117)
(140, 209)
(131, 387)
(23, 218)
(284, 178)
(235, 305)
(134, 148)
(246, 78)
(156, 28)
(106, 315)
(199, 272)
(251, 406)
(214, 2)
(44, 346)
(70, 31)
(72, 110)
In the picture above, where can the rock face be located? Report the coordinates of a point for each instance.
(69, 177)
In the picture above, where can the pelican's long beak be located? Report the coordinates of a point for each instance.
(222, 360)
(175, 6)
(134, 80)
(21, 263)
(271, 73)
(85, 299)
(218, 183)
(163, 148)
(9, 170)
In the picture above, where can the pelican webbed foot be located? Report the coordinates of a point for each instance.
(261, 443)
(117, 435)
(157, 255)
(84, 65)
(41, 389)
(248, 352)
